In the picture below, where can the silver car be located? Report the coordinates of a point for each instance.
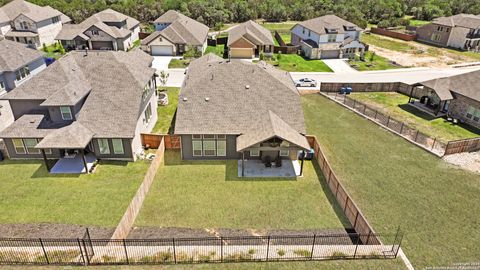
(305, 82)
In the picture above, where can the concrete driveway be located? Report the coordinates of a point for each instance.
(176, 75)
(161, 62)
(339, 65)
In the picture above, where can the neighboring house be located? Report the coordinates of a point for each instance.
(94, 104)
(17, 65)
(461, 31)
(105, 30)
(327, 37)
(231, 109)
(248, 40)
(27, 23)
(174, 34)
(458, 96)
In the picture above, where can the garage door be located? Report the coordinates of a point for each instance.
(330, 54)
(241, 53)
(162, 50)
(102, 45)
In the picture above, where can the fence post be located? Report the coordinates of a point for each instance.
(268, 247)
(44, 252)
(434, 141)
(356, 217)
(344, 99)
(313, 246)
(354, 103)
(364, 108)
(86, 252)
(221, 249)
(174, 252)
(401, 128)
(416, 135)
(125, 248)
(81, 252)
(356, 246)
(376, 112)
(388, 120)
(368, 237)
(346, 203)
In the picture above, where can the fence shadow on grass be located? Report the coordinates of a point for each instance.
(410, 109)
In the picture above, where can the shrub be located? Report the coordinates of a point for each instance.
(279, 55)
(281, 252)
(44, 47)
(251, 251)
(238, 257)
(338, 255)
(302, 252)
(261, 56)
(192, 53)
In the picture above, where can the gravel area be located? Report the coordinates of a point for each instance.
(467, 161)
(45, 230)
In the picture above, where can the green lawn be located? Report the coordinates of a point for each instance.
(296, 63)
(53, 51)
(179, 63)
(29, 194)
(208, 194)
(389, 44)
(218, 50)
(395, 105)
(396, 183)
(373, 62)
(166, 113)
(414, 22)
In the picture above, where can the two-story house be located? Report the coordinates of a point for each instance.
(17, 65)
(27, 23)
(174, 34)
(326, 37)
(105, 30)
(86, 105)
(461, 31)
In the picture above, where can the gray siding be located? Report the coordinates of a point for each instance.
(187, 148)
(425, 32)
(14, 155)
(127, 148)
(21, 107)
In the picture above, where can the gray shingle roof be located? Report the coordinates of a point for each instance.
(182, 30)
(239, 95)
(116, 79)
(462, 20)
(73, 136)
(36, 13)
(14, 55)
(465, 84)
(30, 126)
(252, 31)
(99, 20)
(321, 24)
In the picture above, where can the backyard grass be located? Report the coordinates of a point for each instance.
(209, 194)
(218, 50)
(417, 23)
(166, 114)
(397, 184)
(390, 44)
(395, 105)
(179, 63)
(29, 194)
(296, 63)
(372, 62)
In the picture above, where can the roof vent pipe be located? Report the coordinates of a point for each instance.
(247, 86)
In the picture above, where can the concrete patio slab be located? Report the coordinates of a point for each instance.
(255, 168)
(73, 165)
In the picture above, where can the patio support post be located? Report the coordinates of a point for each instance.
(82, 152)
(243, 163)
(301, 164)
(45, 159)
(411, 93)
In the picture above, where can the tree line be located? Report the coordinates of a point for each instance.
(214, 13)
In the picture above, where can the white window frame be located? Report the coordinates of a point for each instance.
(100, 148)
(95, 32)
(284, 153)
(31, 149)
(148, 113)
(214, 149)
(196, 137)
(254, 152)
(16, 146)
(208, 136)
(22, 73)
(66, 115)
(332, 37)
(2, 85)
(199, 142)
(470, 112)
(219, 149)
(118, 151)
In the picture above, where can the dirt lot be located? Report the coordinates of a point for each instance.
(467, 161)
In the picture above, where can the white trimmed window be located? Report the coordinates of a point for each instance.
(332, 38)
(476, 115)
(209, 148)
(284, 153)
(118, 146)
(66, 113)
(18, 145)
(470, 112)
(30, 146)
(196, 137)
(104, 146)
(221, 136)
(221, 148)
(254, 153)
(208, 136)
(95, 32)
(197, 148)
(148, 113)
(55, 19)
(2, 86)
(22, 73)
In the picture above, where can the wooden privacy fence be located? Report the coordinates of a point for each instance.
(172, 142)
(460, 146)
(393, 34)
(350, 209)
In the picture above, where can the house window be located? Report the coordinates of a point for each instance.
(95, 32)
(309, 32)
(22, 73)
(197, 148)
(303, 30)
(332, 38)
(30, 146)
(470, 112)
(208, 136)
(221, 148)
(55, 19)
(209, 149)
(476, 115)
(221, 136)
(66, 113)
(148, 113)
(24, 25)
(284, 153)
(436, 37)
(197, 136)
(18, 145)
(2, 87)
(254, 153)
(103, 146)
(118, 146)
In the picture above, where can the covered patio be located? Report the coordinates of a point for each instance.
(74, 164)
(434, 99)
(256, 168)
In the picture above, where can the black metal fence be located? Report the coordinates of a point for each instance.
(86, 251)
(431, 144)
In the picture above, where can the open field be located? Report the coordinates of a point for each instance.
(29, 194)
(396, 105)
(397, 184)
(209, 194)
(372, 62)
(166, 113)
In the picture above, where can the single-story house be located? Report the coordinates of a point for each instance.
(457, 96)
(248, 40)
(176, 33)
(86, 104)
(27, 23)
(233, 109)
(105, 30)
(17, 65)
(327, 37)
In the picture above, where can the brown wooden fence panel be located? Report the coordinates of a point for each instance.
(172, 142)
(393, 34)
(460, 146)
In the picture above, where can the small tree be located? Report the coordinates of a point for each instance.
(372, 57)
(279, 56)
(261, 56)
(44, 48)
(163, 77)
(61, 49)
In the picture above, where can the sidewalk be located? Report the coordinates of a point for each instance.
(339, 65)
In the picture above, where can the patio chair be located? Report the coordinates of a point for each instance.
(268, 161)
(278, 162)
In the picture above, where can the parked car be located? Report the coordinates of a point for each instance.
(305, 82)
(345, 90)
